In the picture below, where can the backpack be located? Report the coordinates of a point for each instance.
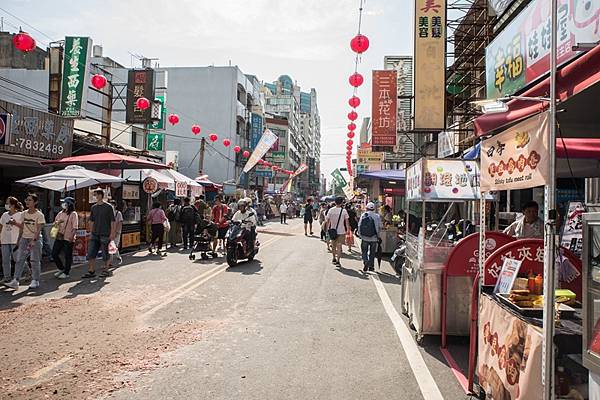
(174, 214)
(188, 215)
(367, 226)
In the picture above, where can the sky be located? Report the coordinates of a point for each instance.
(305, 39)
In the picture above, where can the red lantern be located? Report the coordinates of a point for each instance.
(246, 154)
(24, 42)
(174, 119)
(349, 147)
(196, 129)
(349, 142)
(359, 43)
(351, 126)
(352, 115)
(98, 81)
(356, 79)
(226, 142)
(354, 102)
(142, 103)
(350, 135)
(236, 149)
(213, 137)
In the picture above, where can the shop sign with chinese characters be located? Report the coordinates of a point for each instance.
(517, 158)
(430, 64)
(521, 52)
(155, 141)
(74, 84)
(131, 192)
(443, 179)
(36, 133)
(160, 124)
(140, 83)
(256, 129)
(384, 110)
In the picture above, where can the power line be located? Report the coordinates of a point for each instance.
(26, 23)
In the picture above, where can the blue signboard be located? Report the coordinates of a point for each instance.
(256, 130)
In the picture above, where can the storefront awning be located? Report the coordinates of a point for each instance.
(107, 160)
(385, 174)
(576, 114)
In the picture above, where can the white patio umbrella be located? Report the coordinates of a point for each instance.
(71, 178)
(179, 177)
(164, 181)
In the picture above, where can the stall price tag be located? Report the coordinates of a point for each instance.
(508, 274)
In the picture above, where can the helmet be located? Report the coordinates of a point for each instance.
(242, 202)
(248, 200)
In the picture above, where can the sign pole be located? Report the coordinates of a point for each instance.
(549, 227)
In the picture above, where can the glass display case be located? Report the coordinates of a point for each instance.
(591, 291)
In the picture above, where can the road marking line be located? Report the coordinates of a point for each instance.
(50, 367)
(427, 385)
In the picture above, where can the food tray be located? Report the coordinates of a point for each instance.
(565, 310)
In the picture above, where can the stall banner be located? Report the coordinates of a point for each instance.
(414, 180)
(75, 77)
(181, 189)
(384, 108)
(518, 157)
(267, 140)
(521, 52)
(80, 246)
(301, 168)
(430, 64)
(450, 179)
(572, 230)
(140, 83)
(348, 192)
(131, 192)
(338, 178)
(508, 274)
(509, 358)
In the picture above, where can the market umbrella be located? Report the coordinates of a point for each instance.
(164, 181)
(107, 160)
(71, 178)
(179, 177)
(379, 254)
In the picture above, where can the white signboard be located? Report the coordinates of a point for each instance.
(445, 144)
(131, 192)
(414, 180)
(508, 274)
(267, 140)
(181, 189)
(572, 232)
(448, 179)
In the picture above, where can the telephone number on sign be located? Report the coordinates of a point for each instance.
(35, 145)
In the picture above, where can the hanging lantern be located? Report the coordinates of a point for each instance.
(226, 142)
(196, 129)
(350, 135)
(351, 126)
(246, 154)
(359, 43)
(354, 102)
(213, 137)
(142, 103)
(173, 119)
(356, 79)
(98, 81)
(349, 147)
(349, 142)
(24, 42)
(352, 115)
(236, 149)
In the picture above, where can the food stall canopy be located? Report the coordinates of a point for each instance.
(179, 177)
(204, 181)
(71, 178)
(385, 174)
(164, 180)
(107, 160)
(577, 112)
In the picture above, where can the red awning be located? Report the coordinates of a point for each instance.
(578, 148)
(571, 79)
(108, 160)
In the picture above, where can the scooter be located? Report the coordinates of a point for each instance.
(399, 257)
(237, 246)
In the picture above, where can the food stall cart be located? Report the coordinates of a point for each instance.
(432, 184)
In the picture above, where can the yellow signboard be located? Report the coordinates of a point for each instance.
(368, 157)
(430, 64)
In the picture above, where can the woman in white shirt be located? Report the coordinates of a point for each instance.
(10, 227)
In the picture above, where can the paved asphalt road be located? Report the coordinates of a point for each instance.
(289, 325)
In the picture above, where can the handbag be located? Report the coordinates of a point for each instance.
(333, 233)
(54, 231)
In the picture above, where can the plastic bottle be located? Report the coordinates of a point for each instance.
(539, 284)
(531, 282)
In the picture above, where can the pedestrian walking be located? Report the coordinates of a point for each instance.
(65, 226)
(30, 243)
(102, 220)
(118, 231)
(308, 216)
(156, 218)
(283, 208)
(219, 217)
(321, 216)
(189, 216)
(260, 213)
(353, 222)
(201, 205)
(337, 226)
(369, 227)
(11, 223)
(174, 217)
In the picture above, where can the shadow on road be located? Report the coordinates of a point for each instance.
(247, 267)
(351, 272)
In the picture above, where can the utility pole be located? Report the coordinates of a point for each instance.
(201, 157)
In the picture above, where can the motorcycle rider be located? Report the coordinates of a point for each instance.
(247, 217)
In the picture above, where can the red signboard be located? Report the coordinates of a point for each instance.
(384, 110)
(464, 258)
(394, 191)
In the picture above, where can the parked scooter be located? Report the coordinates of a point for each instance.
(237, 245)
(399, 256)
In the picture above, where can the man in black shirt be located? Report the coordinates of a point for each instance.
(102, 219)
(308, 216)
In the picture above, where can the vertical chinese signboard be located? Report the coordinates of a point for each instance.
(74, 76)
(384, 112)
(521, 52)
(256, 129)
(140, 83)
(160, 124)
(430, 64)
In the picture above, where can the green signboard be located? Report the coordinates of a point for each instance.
(155, 141)
(278, 156)
(74, 76)
(160, 124)
(338, 178)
